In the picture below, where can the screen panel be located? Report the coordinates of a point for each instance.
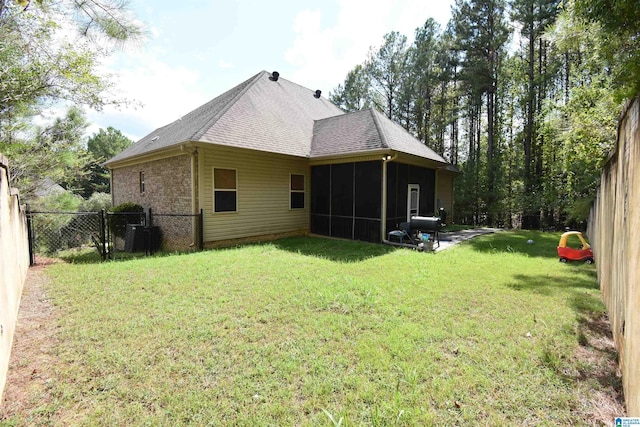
(342, 189)
(321, 189)
(368, 180)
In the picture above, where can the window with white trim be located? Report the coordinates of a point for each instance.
(225, 190)
(296, 187)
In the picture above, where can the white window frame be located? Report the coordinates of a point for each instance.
(235, 190)
(303, 191)
(410, 188)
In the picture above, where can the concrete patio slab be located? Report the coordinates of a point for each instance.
(450, 238)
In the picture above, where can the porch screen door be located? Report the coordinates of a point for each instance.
(413, 200)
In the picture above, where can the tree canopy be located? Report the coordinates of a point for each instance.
(619, 26)
(102, 146)
(50, 53)
(521, 95)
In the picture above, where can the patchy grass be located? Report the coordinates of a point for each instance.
(312, 331)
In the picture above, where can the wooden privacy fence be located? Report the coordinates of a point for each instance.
(614, 231)
(14, 263)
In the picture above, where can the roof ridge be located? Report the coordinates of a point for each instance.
(198, 134)
(300, 86)
(383, 136)
(402, 129)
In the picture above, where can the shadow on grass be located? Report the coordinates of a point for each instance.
(544, 285)
(595, 357)
(321, 247)
(333, 249)
(545, 245)
(93, 257)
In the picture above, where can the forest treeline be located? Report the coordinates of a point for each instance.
(522, 96)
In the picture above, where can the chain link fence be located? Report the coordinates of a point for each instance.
(112, 235)
(53, 232)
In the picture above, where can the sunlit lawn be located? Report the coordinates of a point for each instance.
(312, 331)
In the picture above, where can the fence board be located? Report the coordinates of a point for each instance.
(614, 231)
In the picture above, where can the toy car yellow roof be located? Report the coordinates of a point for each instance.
(563, 239)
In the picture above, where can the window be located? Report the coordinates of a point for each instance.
(297, 191)
(142, 182)
(225, 190)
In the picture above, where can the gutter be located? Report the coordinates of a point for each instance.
(138, 158)
(350, 154)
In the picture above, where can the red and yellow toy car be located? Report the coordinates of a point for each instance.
(568, 253)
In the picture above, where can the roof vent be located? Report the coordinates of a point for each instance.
(318, 93)
(155, 138)
(274, 76)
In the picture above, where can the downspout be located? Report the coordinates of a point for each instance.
(195, 183)
(195, 205)
(195, 200)
(113, 196)
(383, 225)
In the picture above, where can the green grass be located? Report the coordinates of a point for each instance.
(311, 331)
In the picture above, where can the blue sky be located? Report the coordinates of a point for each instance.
(197, 49)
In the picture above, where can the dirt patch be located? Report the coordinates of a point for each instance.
(33, 356)
(599, 360)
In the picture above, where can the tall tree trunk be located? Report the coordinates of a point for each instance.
(527, 221)
(443, 123)
(478, 141)
(454, 121)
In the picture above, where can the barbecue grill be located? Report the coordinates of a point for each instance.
(420, 232)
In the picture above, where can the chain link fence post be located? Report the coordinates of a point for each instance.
(32, 256)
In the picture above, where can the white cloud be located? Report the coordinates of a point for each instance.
(225, 64)
(162, 93)
(170, 78)
(323, 56)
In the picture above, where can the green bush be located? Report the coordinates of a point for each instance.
(97, 202)
(123, 214)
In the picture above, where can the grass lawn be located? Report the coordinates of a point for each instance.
(312, 331)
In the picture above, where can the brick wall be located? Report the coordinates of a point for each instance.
(167, 185)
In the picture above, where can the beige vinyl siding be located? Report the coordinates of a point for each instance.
(444, 191)
(263, 186)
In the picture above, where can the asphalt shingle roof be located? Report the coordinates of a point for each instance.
(281, 117)
(397, 138)
(185, 128)
(348, 133)
(364, 131)
(272, 116)
(260, 114)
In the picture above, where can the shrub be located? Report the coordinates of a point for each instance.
(97, 202)
(123, 214)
